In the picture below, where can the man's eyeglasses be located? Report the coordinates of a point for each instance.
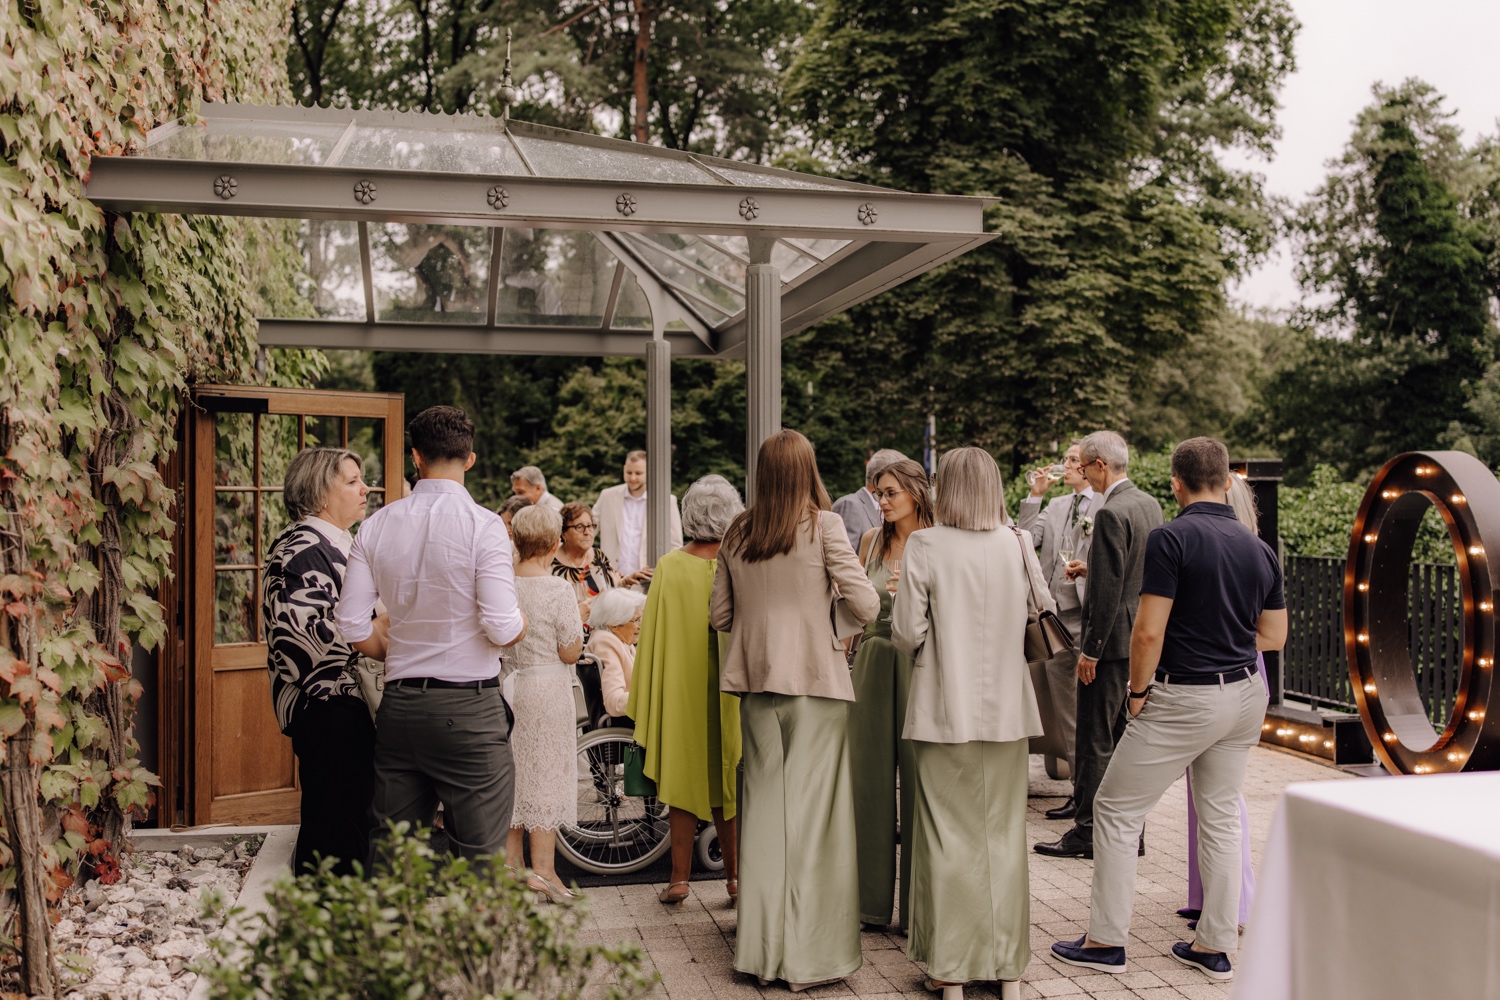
(582, 526)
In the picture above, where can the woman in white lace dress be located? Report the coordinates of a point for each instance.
(544, 742)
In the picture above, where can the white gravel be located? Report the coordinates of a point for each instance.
(134, 940)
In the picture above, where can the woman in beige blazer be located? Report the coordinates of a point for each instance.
(781, 565)
(960, 610)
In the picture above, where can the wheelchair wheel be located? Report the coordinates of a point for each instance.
(615, 832)
(706, 846)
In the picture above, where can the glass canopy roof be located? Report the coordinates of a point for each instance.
(471, 233)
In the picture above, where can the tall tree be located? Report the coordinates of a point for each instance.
(1400, 285)
(1096, 125)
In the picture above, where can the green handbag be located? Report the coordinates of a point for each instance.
(636, 782)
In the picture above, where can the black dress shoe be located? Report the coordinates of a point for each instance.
(1069, 845)
(1067, 810)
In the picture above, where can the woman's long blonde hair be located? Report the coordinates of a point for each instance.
(788, 492)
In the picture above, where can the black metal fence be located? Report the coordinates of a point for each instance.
(1315, 667)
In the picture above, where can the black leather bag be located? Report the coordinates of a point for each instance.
(1046, 635)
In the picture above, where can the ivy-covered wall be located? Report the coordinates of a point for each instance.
(104, 322)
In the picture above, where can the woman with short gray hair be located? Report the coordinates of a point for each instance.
(690, 730)
(315, 689)
(614, 627)
(708, 508)
(967, 586)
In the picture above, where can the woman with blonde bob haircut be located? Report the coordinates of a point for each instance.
(961, 607)
(782, 564)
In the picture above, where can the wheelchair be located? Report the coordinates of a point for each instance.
(616, 833)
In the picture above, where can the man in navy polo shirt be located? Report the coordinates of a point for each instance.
(1211, 596)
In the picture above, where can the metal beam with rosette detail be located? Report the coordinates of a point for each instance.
(1376, 624)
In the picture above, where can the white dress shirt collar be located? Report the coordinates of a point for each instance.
(337, 537)
(1111, 488)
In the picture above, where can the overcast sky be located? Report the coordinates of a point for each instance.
(1344, 47)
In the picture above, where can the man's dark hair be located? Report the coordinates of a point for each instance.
(1201, 464)
(442, 434)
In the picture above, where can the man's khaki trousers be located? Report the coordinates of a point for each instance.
(1209, 730)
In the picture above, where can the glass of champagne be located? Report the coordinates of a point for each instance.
(894, 566)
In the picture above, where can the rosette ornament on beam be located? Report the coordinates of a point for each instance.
(1377, 630)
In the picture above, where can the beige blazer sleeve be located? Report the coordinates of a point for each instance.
(848, 576)
(1034, 573)
(909, 609)
(721, 603)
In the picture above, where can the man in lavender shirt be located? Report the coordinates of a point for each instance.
(442, 565)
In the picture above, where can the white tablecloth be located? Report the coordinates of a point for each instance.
(1380, 887)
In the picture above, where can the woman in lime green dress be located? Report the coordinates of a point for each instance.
(882, 678)
(690, 730)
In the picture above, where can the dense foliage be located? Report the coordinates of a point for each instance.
(1398, 255)
(326, 937)
(1096, 125)
(106, 320)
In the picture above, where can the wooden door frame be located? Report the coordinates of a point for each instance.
(195, 769)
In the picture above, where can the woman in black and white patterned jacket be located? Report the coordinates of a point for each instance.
(314, 685)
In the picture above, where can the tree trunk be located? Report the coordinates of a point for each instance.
(18, 777)
(642, 86)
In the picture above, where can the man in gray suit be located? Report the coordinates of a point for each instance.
(1124, 517)
(1064, 527)
(859, 509)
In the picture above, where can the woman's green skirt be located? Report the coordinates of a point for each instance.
(970, 895)
(799, 883)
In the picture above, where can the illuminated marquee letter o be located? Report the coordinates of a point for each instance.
(1376, 628)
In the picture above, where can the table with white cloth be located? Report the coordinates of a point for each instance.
(1380, 887)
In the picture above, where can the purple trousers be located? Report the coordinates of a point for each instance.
(1247, 873)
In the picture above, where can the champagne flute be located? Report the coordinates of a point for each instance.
(894, 566)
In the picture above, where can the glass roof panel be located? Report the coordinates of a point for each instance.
(714, 299)
(449, 150)
(791, 262)
(575, 160)
(294, 143)
(727, 269)
(334, 285)
(430, 273)
(769, 178)
(632, 311)
(555, 277)
(821, 249)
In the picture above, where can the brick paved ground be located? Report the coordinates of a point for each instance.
(692, 948)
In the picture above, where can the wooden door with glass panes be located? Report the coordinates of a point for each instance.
(242, 439)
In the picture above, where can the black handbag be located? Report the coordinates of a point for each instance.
(1046, 635)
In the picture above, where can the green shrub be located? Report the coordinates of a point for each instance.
(1318, 520)
(388, 937)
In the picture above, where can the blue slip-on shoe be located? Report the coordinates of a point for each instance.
(1111, 960)
(1212, 964)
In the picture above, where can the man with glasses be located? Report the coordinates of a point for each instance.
(621, 515)
(1124, 516)
(1062, 532)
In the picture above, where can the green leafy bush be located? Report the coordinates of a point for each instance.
(1318, 520)
(388, 938)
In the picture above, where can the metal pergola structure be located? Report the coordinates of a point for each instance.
(469, 233)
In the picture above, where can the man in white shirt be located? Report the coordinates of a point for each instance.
(859, 509)
(1062, 533)
(621, 514)
(442, 565)
(528, 482)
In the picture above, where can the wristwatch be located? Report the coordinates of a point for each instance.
(1142, 694)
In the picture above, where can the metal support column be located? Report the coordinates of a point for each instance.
(762, 354)
(658, 448)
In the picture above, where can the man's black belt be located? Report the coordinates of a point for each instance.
(1228, 677)
(432, 682)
